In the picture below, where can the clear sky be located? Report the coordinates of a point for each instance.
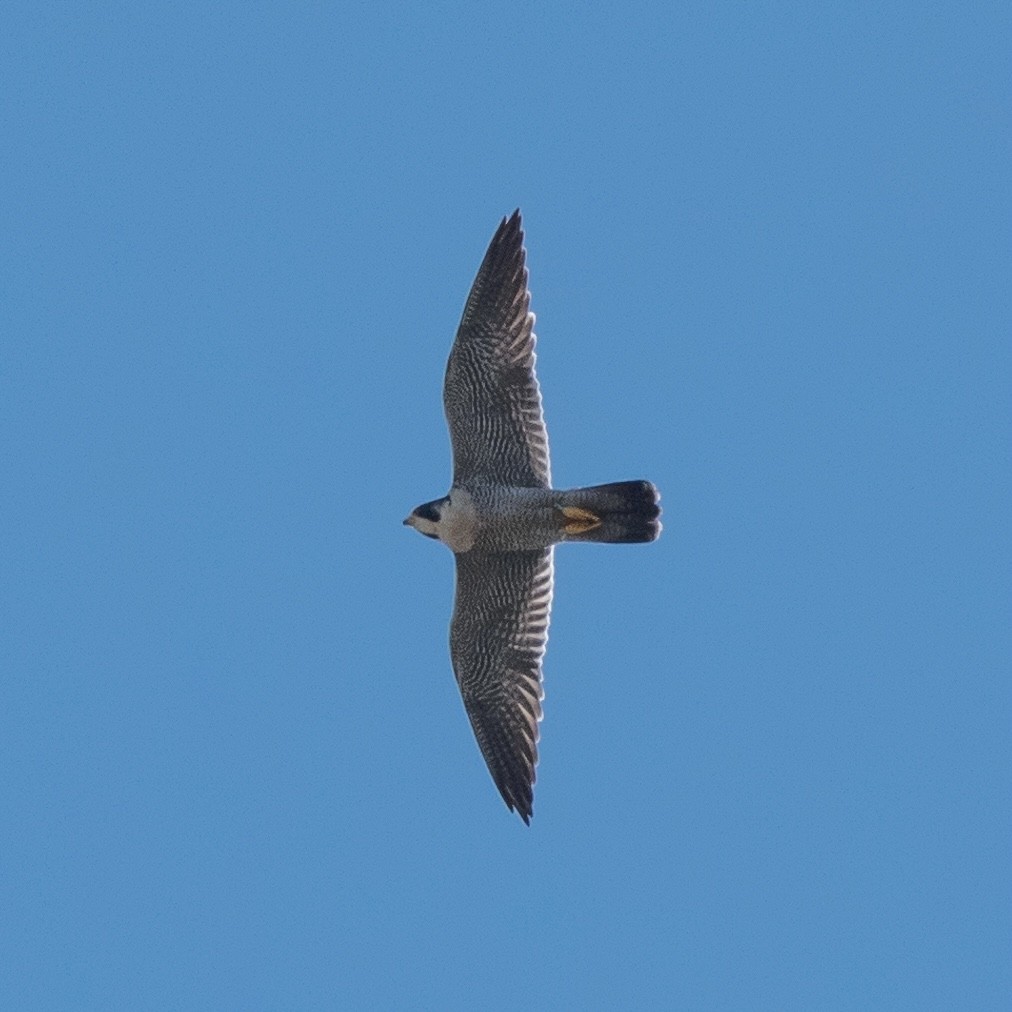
(770, 261)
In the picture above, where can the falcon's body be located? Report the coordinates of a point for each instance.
(501, 517)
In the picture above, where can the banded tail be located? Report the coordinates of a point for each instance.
(622, 512)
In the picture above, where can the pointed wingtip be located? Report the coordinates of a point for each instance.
(522, 805)
(526, 813)
(519, 796)
(511, 223)
(505, 253)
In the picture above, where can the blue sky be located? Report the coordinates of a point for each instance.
(770, 261)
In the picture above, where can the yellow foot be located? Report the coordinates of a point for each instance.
(578, 521)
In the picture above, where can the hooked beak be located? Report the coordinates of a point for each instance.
(408, 521)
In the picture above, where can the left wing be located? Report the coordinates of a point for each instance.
(490, 394)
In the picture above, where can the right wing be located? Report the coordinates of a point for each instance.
(497, 640)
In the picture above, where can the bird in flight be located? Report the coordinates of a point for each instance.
(502, 518)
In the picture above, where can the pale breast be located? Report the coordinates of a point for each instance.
(459, 522)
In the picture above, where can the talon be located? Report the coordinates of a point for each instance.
(579, 521)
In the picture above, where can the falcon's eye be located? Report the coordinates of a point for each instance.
(428, 512)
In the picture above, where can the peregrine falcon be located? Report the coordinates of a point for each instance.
(501, 517)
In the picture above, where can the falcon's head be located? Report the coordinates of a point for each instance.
(426, 518)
